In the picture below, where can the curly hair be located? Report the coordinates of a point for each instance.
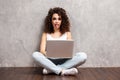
(65, 24)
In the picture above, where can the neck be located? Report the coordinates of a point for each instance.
(56, 30)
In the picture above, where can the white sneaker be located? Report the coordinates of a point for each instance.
(45, 71)
(72, 71)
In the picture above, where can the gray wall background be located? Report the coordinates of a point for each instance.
(95, 29)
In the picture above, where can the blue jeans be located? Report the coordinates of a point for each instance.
(57, 65)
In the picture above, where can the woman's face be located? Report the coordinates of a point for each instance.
(56, 21)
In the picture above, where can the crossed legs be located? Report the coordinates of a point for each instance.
(77, 60)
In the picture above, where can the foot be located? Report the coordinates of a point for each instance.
(72, 71)
(45, 71)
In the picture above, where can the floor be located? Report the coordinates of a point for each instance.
(30, 73)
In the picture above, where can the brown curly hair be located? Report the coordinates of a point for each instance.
(65, 24)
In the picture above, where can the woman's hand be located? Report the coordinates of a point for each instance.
(44, 53)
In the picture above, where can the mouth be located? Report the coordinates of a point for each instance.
(56, 25)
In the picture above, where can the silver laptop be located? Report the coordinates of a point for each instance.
(60, 48)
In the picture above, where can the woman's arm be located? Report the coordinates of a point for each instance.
(43, 44)
(69, 36)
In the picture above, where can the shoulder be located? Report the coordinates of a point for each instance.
(44, 35)
(69, 35)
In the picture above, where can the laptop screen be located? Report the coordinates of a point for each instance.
(60, 48)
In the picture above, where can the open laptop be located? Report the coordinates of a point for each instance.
(59, 48)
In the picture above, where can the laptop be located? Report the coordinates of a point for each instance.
(59, 48)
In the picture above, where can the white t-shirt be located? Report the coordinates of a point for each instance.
(63, 37)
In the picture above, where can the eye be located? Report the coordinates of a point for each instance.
(59, 19)
(53, 18)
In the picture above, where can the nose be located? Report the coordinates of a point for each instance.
(56, 21)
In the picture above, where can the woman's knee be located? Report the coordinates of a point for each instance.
(82, 55)
(36, 54)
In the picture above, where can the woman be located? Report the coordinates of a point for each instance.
(57, 27)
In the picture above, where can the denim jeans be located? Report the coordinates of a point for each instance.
(56, 65)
